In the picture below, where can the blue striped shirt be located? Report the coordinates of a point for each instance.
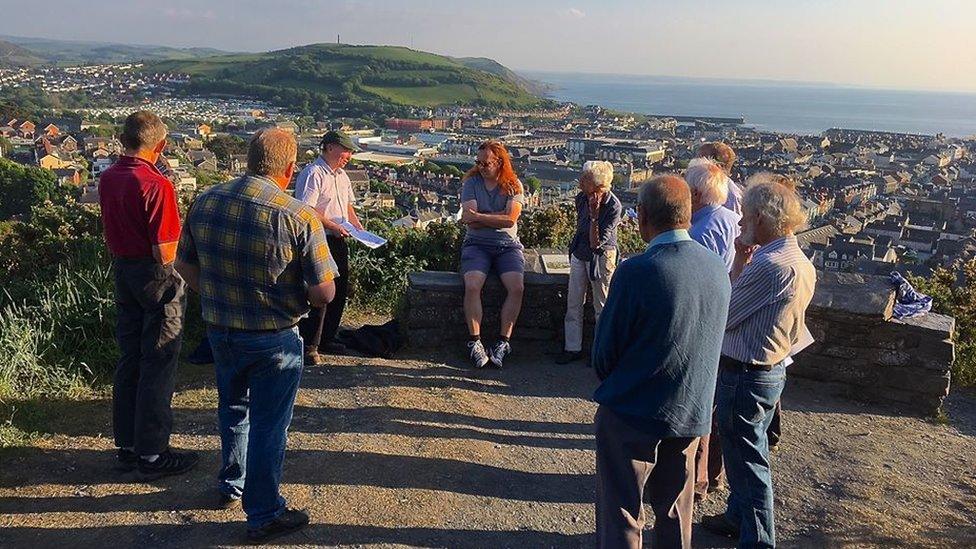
(767, 311)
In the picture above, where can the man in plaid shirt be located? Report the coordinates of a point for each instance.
(259, 259)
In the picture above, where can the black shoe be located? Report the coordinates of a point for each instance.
(287, 522)
(569, 356)
(719, 524)
(126, 461)
(226, 502)
(333, 348)
(168, 463)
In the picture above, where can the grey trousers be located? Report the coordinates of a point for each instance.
(579, 281)
(627, 460)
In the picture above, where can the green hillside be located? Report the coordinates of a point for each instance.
(494, 67)
(47, 51)
(12, 55)
(315, 77)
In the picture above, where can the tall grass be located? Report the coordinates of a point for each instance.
(61, 337)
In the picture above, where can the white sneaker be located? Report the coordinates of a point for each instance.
(499, 351)
(478, 354)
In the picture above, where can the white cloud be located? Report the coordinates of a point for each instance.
(576, 13)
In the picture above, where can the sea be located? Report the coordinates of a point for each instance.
(786, 107)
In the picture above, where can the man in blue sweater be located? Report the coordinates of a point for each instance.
(656, 351)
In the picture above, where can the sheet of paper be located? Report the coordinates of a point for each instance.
(370, 240)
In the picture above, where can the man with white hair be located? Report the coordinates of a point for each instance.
(724, 156)
(712, 225)
(592, 252)
(772, 285)
(715, 227)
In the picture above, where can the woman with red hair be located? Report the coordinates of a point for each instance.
(491, 202)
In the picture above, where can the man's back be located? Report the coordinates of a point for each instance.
(257, 249)
(138, 207)
(716, 228)
(660, 337)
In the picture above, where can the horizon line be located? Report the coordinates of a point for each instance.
(819, 83)
(756, 79)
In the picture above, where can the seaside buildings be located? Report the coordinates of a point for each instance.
(875, 200)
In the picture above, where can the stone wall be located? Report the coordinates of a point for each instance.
(858, 343)
(905, 362)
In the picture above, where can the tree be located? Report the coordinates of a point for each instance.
(102, 131)
(453, 170)
(226, 145)
(953, 293)
(207, 179)
(533, 184)
(23, 187)
(5, 146)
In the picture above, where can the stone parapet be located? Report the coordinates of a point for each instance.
(879, 358)
(857, 342)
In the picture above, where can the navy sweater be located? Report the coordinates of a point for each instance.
(659, 339)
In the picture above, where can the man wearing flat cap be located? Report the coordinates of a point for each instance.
(325, 186)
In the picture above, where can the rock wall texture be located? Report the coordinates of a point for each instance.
(858, 343)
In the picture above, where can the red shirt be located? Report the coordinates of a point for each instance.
(138, 208)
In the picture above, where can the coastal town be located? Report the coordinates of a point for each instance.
(358, 274)
(876, 201)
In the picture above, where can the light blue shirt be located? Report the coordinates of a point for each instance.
(734, 200)
(716, 228)
(669, 237)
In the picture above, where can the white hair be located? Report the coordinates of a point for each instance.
(601, 171)
(776, 203)
(707, 178)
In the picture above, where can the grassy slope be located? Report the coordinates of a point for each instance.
(77, 52)
(12, 55)
(348, 61)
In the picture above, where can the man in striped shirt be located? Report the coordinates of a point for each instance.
(772, 285)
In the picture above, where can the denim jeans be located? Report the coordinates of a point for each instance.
(744, 402)
(257, 380)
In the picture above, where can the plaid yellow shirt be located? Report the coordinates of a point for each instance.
(258, 250)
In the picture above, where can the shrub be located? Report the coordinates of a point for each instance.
(954, 294)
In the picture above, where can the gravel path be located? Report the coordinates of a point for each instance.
(431, 454)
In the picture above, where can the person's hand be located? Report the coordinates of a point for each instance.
(468, 216)
(341, 231)
(744, 251)
(358, 225)
(595, 199)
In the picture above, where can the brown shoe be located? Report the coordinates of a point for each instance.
(313, 358)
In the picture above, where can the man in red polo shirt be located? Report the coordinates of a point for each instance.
(142, 229)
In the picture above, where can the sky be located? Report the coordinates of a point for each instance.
(910, 44)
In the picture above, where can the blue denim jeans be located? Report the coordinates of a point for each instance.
(257, 379)
(744, 402)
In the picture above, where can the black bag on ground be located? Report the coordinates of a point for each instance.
(377, 341)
